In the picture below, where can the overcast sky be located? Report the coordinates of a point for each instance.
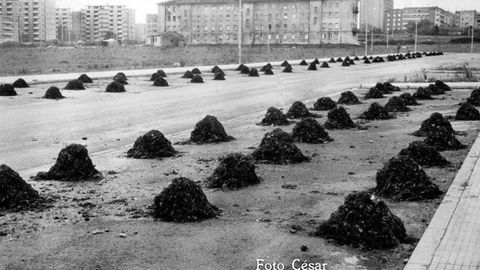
(149, 6)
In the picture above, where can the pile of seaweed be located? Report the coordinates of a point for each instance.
(187, 75)
(403, 179)
(284, 63)
(303, 63)
(15, 193)
(74, 85)
(219, 77)
(474, 98)
(467, 112)
(324, 65)
(209, 130)
(240, 67)
(7, 90)
(375, 112)
(397, 104)
(20, 83)
(299, 110)
(442, 139)
(348, 98)
(339, 118)
(310, 131)
(183, 201)
(115, 87)
(423, 94)
(332, 60)
(121, 78)
(324, 104)
(435, 121)
(374, 93)
(274, 117)
(196, 79)
(443, 86)
(316, 61)
(267, 66)
(245, 70)
(196, 71)
(312, 66)
(234, 171)
(53, 93)
(364, 221)
(253, 73)
(159, 73)
(268, 72)
(160, 81)
(277, 147)
(73, 164)
(85, 79)
(409, 100)
(424, 154)
(153, 144)
(366, 61)
(288, 69)
(339, 60)
(435, 90)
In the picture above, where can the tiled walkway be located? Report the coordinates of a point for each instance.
(452, 240)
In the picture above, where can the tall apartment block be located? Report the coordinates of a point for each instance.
(372, 12)
(152, 24)
(398, 19)
(467, 18)
(64, 23)
(97, 21)
(8, 29)
(35, 18)
(262, 21)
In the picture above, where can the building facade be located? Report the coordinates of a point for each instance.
(76, 25)
(8, 29)
(394, 21)
(64, 24)
(152, 24)
(397, 19)
(372, 12)
(465, 18)
(99, 22)
(35, 18)
(140, 32)
(262, 21)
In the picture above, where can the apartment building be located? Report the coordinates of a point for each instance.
(35, 18)
(372, 12)
(8, 29)
(98, 20)
(262, 21)
(465, 18)
(397, 19)
(152, 24)
(64, 24)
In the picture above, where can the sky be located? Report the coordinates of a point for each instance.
(144, 7)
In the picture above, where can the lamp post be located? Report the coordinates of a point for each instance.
(240, 31)
(416, 35)
(366, 39)
(473, 34)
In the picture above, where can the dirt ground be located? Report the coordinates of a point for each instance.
(105, 224)
(69, 59)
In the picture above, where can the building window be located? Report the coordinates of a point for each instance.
(315, 20)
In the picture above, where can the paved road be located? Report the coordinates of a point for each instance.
(33, 130)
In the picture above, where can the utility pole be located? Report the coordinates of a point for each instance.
(387, 40)
(371, 45)
(473, 34)
(366, 39)
(416, 35)
(240, 21)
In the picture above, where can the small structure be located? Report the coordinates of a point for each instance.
(167, 39)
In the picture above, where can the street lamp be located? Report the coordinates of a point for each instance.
(473, 34)
(240, 31)
(416, 35)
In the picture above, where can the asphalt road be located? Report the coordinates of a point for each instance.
(33, 130)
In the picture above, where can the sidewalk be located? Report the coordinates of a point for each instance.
(452, 240)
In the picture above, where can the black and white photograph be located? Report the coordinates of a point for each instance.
(239, 134)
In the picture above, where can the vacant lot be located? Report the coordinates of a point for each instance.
(60, 60)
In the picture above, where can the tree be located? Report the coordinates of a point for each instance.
(424, 27)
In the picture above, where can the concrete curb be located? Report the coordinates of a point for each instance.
(434, 234)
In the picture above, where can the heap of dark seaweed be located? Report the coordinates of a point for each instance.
(339, 118)
(435, 121)
(324, 104)
(196, 79)
(310, 131)
(20, 83)
(299, 110)
(423, 94)
(196, 71)
(115, 87)
(160, 81)
(187, 75)
(474, 98)
(274, 117)
(74, 85)
(234, 171)
(424, 154)
(397, 104)
(443, 139)
(348, 98)
(364, 221)
(121, 78)
(443, 86)
(53, 93)
(159, 73)
(73, 164)
(403, 179)
(467, 112)
(253, 73)
(312, 66)
(375, 112)
(7, 90)
(209, 130)
(85, 79)
(183, 201)
(374, 93)
(277, 147)
(153, 144)
(15, 193)
(409, 99)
